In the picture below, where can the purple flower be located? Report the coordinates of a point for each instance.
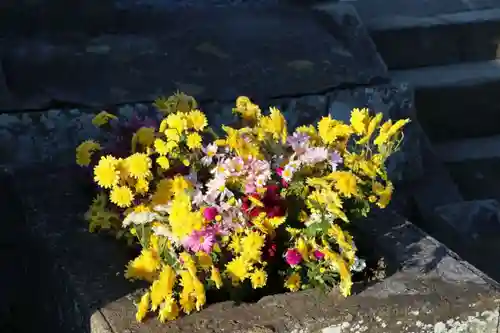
(299, 142)
(335, 160)
(319, 255)
(314, 155)
(293, 257)
(200, 240)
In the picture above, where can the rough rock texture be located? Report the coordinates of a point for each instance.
(52, 136)
(477, 218)
(433, 286)
(140, 54)
(395, 102)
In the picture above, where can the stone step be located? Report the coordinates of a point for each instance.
(470, 225)
(408, 42)
(417, 33)
(430, 279)
(456, 101)
(469, 149)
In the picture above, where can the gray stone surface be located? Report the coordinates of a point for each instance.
(433, 287)
(464, 150)
(395, 102)
(262, 52)
(453, 92)
(370, 10)
(475, 219)
(437, 187)
(477, 179)
(52, 136)
(438, 40)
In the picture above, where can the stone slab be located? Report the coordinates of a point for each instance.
(436, 187)
(370, 10)
(438, 196)
(261, 52)
(432, 287)
(439, 40)
(478, 179)
(453, 92)
(469, 149)
(474, 219)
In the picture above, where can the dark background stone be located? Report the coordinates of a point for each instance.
(213, 53)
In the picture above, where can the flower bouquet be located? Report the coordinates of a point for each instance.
(255, 206)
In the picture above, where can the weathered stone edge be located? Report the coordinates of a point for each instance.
(406, 22)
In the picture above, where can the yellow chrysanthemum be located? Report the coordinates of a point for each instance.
(163, 192)
(177, 121)
(173, 136)
(85, 151)
(180, 184)
(215, 277)
(359, 120)
(161, 147)
(186, 301)
(235, 244)
(204, 260)
(106, 174)
(102, 118)
(384, 193)
(182, 220)
(144, 136)
(302, 248)
(138, 165)
(197, 120)
(163, 162)
(341, 266)
(247, 109)
(237, 269)
(258, 278)
(251, 245)
(142, 308)
(193, 141)
(142, 185)
(330, 130)
(292, 283)
(274, 124)
(169, 310)
(144, 267)
(162, 288)
(345, 183)
(121, 196)
(372, 125)
(199, 293)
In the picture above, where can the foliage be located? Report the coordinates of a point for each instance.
(256, 204)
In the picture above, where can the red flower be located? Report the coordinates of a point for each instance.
(210, 213)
